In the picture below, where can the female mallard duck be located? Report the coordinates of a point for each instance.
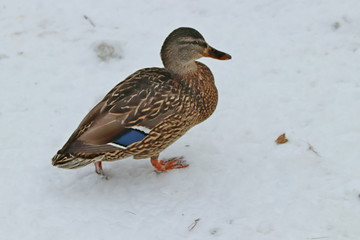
(149, 110)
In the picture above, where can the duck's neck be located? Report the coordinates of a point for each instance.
(176, 62)
(180, 68)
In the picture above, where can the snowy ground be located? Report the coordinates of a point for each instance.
(295, 69)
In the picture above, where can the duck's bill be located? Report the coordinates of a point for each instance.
(213, 53)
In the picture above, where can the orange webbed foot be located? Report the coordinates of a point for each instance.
(173, 163)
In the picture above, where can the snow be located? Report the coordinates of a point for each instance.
(295, 70)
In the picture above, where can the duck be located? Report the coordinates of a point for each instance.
(149, 110)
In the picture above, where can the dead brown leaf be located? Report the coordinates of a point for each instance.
(281, 139)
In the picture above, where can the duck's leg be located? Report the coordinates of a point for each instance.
(98, 168)
(169, 164)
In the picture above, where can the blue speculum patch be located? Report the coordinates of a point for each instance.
(130, 136)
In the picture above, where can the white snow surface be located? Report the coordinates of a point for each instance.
(295, 70)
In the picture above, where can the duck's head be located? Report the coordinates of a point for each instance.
(183, 46)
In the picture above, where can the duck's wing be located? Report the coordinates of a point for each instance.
(127, 113)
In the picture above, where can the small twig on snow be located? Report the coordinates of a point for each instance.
(131, 212)
(311, 148)
(193, 225)
(318, 238)
(90, 21)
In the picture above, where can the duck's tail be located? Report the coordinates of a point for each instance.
(71, 161)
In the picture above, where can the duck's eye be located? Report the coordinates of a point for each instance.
(200, 43)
